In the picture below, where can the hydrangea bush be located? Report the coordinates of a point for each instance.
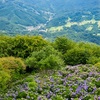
(80, 82)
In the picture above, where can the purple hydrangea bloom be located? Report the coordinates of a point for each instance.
(49, 95)
(60, 73)
(51, 79)
(99, 98)
(39, 98)
(78, 89)
(14, 95)
(57, 90)
(28, 97)
(85, 85)
(64, 83)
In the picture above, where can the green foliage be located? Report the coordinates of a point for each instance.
(97, 65)
(10, 69)
(22, 94)
(23, 46)
(97, 83)
(57, 97)
(5, 77)
(20, 46)
(29, 79)
(63, 44)
(76, 56)
(4, 45)
(92, 48)
(98, 91)
(88, 97)
(32, 85)
(93, 60)
(15, 65)
(47, 58)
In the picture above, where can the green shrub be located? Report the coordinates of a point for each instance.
(63, 44)
(20, 46)
(4, 78)
(10, 69)
(15, 65)
(94, 49)
(47, 58)
(31, 83)
(93, 60)
(98, 65)
(51, 62)
(76, 56)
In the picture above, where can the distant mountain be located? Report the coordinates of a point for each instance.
(15, 15)
(78, 19)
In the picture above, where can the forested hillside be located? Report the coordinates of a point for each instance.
(77, 19)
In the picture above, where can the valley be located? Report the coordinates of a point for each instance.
(78, 20)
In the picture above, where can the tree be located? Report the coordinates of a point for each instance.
(63, 44)
(47, 58)
(76, 56)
